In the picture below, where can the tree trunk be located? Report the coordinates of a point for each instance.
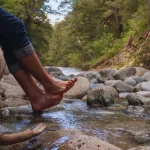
(2, 64)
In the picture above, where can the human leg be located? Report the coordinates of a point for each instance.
(15, 34)
(38, 99)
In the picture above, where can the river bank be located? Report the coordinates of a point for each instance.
(116, 115)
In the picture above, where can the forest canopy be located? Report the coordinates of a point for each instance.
(92, 29)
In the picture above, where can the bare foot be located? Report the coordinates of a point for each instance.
(45, 101)
(59, 87)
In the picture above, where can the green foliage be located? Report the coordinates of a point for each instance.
(95, 29)
(34, 15)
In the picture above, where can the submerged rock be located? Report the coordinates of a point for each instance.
(98, 98)
(84, 142)
(140, 148)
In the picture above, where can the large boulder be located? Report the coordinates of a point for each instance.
(123, 87)
(84, 142)
(99, 98)
(2, 64)
(136, 100)
(79, 90)
(54, 71)
(124, 73)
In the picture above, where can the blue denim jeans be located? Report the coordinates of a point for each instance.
(13, 39)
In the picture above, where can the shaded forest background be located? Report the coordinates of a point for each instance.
(93, 31)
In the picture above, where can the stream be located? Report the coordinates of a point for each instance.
(114, 125)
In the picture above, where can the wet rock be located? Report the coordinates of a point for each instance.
(54, 71)
(140, 148)
(140, 71)
(90, 75)
(144, 93)
(4, 129)
(123, 87)
(79, 90)
(137, 100)
(135, 109)
(107, 73)
(111, 82)
(84, 142)
(97, 97)
(130, 81)
(124, 73)
(147, 75)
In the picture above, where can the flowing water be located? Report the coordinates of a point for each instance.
(114, 125)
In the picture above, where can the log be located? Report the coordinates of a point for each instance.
(9, 139)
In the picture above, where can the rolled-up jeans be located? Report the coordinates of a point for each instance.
(14, 41)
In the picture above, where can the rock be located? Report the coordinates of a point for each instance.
(108, 73)
(11, 92)
(140, 71)
(147, 75)
(97, 97)
(111, 82)
(90, 75)
(130, 81)
(79, 90)
(123, 87)
(145, 86)
(140, 148)
(139, 79)
(124, 73)
(54, 71)
(84, 142)
(2, 64)
(135, 109)
(144, 93)
(123, 95)
(136, 100)
(9, 79)
(108, 89)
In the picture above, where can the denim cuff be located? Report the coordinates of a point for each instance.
(15, 67)
(25, 51)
